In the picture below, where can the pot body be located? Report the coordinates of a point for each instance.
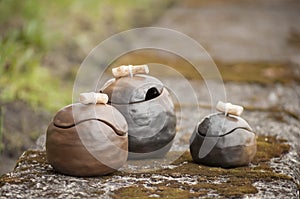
(84, 140)
(225, 141)
(151, 126)
(151, 120)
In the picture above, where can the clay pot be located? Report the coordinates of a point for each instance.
(149, 111)
(87, 140)
(228, 141)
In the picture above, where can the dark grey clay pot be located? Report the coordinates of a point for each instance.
(149, 111)
(226, 141)
(87, 140)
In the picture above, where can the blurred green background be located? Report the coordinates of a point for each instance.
(42, 44)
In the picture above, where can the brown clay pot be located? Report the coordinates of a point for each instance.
(227, 141)
(87, 140)
(149, 110)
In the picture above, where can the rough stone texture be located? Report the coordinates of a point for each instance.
(279, 177)
(248, 32)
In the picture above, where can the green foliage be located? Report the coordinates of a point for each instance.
(30, 29)
(1, 129)
(23, 43)
(21, 22)
(37, 87)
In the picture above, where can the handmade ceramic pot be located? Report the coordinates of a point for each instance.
(149, 111)
(87, 140)
(225, 141)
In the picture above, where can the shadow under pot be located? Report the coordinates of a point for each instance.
(149, 110)
(87, 140)
(224, 141)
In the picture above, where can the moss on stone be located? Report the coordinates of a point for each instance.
(274, 110)
(13, 180)
(263, 73)
(294, 38)
(162, 191)
(249, 72)
(269, 147)
(33, 157)
(234, 182)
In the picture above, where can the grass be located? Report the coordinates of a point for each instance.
(23, 43)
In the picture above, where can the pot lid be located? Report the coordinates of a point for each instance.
(73, 114)
(219, 125)
(126, 90)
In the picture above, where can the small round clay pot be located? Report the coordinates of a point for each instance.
(149, 110)
(87, 140)
(224, 141)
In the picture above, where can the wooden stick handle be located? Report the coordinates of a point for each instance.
(93, 98)
(229, 108)
(130, 70)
